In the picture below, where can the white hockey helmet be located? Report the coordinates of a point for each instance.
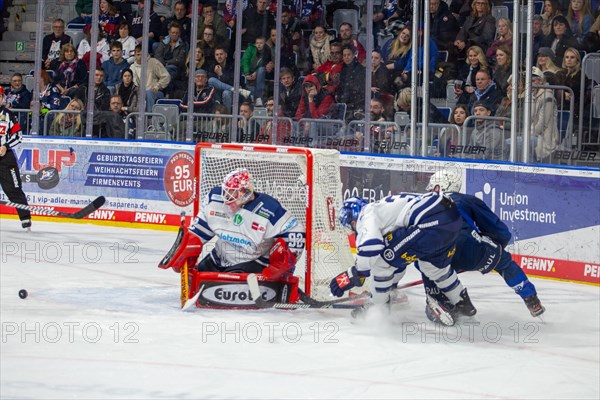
(447, 180)
(237, 188)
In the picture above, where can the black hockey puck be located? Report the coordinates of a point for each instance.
(23, 293)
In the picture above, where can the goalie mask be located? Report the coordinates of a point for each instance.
(448, 181)
(237, 189)
(350, 211)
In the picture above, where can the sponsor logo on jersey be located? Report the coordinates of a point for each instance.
(257, 227)
(236, 294)
(451, 252)
(237, 219)
(409, 258)
(218, 214)
(293, 222)
(388, 254)
(239, 242)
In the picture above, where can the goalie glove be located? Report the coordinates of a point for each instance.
(347, 280)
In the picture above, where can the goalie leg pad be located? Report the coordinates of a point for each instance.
(230, 290)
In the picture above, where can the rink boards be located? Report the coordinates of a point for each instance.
(553, 213)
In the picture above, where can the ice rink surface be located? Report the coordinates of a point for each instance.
(102, 321)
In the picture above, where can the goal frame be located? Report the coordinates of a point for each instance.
(308, 207)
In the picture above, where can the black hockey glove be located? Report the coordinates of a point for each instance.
(347, 280)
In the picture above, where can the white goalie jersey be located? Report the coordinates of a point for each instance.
(249, 233)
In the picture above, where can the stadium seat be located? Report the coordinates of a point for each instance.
(445, 112)
(346, 15)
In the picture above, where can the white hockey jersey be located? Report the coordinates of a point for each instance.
(385, 216)
(249, 233)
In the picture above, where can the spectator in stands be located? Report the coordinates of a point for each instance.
(208, 44)
(101, 92)
(486, 135)
(127, 41)
(551, 10)
(172, 52)
(315, 102)
(200, 61)
(110, 123)
(113, 68)
(68, 124)
(543, 118)
(84, 9)
(591, 41)
(580, 18)
(403, 103)
(136, 21)
(570, 76)
(485, 90)
(102, 46)
(290, 28)
(381, 83)
(545, 63)
(128, 92)
(352, 84)
(285, 53)
(505, 108)
(503, 38)
(503, 68)
(183, 20)
(433, 57)
(109, 19)
(157, 77)
(561, 38)
(210, 17)
(256, 22)
(222, 78)
(218, 130)
(538, 35)
(289, 93)
(204, 94)
(395, 54)
(70, 72)
(164, 9)
(254, 66)
(465, 83)
(346, 36)
(383, 16)
(478, 29)
(230, 11)
(18, 97)
(319, 47)
(49, 99)
(53, 43)
(284, 127)
(332, 69)
(450, 138)
(309, 12)
(244, 131)
(461, 9)
(444, 27)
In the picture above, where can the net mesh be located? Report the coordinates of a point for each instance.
(284, 175)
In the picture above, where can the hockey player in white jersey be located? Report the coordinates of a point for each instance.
(247, 224)
(397, 231)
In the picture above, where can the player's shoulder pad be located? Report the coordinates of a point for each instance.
(267, 207)
(216, 194)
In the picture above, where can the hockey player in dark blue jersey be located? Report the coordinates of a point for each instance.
(480, 247)
(397, 231)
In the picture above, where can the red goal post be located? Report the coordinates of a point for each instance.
(306, 182)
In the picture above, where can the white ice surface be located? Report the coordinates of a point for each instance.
(102, 321)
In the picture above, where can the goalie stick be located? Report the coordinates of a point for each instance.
(307, 301)
(82, 213)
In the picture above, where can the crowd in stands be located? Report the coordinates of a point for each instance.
(321, 64)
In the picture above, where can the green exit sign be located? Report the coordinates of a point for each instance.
(20, 46)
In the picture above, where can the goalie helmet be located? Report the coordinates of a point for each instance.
(448, 181)
(237, 188)
(350, 211)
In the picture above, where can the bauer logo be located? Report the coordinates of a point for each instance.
(236, 294)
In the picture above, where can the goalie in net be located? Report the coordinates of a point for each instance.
(253, 233)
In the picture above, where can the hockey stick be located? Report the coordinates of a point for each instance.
(84, 212)
(308, 302)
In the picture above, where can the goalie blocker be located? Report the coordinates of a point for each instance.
(227, 289)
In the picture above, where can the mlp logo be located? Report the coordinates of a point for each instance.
(490, 193)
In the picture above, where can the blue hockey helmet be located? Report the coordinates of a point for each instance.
(350, 211)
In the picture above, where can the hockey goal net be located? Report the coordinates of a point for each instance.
(306, 182)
